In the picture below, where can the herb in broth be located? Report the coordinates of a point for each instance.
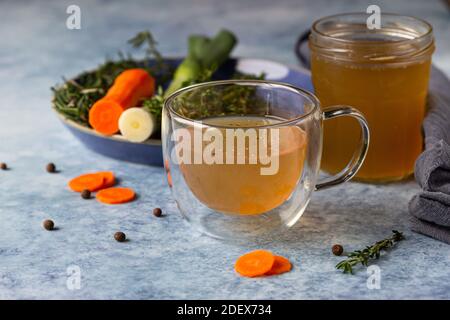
(222, 100)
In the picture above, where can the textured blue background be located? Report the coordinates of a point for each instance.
(164, 257)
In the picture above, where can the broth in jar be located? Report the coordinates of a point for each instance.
(383, 73)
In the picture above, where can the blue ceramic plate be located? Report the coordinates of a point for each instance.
(150, 152)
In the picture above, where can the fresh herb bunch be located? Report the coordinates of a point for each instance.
(370, 252)
(74, 98)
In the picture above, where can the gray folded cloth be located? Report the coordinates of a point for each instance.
(430, 209)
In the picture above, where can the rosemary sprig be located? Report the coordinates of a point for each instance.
(370, 252)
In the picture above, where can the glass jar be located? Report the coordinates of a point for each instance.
(382, 72)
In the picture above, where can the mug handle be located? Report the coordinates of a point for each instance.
(358, 157)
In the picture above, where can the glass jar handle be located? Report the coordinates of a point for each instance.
(358, 157)
(303, 55)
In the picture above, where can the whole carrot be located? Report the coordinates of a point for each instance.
(129, 87)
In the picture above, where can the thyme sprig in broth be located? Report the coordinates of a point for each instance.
(233, 99)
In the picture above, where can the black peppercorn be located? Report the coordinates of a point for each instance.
(157, 212)
(48, 224)
(337, 249)
(120, 236)
(51, 168)
(86, 194)
(3, 166)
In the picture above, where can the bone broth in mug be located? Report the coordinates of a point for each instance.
(242, 157)
(263, 167)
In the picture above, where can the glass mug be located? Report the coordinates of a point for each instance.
(384, 73)
(242, 156)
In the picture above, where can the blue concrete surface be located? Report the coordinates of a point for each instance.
(165, 258)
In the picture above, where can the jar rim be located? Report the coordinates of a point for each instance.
(346, 37)
(360, 14)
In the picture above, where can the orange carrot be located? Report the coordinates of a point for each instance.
(255, 263)
(104, 116)
(281, 265)
(90, 181)
(115, 195)
(109, 179)
(129, 87)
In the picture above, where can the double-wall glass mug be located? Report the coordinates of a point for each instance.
(242, 156)
(384, 73)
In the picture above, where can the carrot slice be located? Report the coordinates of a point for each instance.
(281, 265)
(104, 116)
(115, 195)
(255, 263)
(89, 181)
(109, 179)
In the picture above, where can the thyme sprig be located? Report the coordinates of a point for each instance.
(370, 252)
(145, 39)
